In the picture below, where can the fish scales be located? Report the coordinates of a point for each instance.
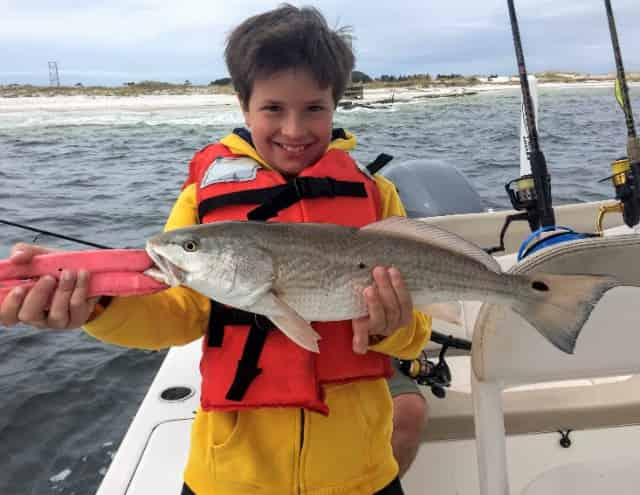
(329, 267)
(297, 273)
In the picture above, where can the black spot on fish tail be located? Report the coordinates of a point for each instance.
(561, 305)
(539, 286)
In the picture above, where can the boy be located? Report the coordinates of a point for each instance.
(327, 425)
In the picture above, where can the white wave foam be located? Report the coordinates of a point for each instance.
(142, 103)
(228, 115)
(61, 476)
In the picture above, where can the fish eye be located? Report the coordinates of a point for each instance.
(190, 245)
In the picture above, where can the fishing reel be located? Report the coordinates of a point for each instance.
(626, 189)
(425, 372)
(523, 196)
(522, 193)
(437, 376)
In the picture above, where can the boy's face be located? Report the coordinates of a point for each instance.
(290, 118)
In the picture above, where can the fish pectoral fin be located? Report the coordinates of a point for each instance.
(451, 312)
(291, 323)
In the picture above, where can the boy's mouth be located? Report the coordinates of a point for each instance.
(292, 148)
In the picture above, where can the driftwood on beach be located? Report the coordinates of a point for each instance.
(385, 103)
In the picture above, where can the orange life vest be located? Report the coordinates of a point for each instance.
(245, 362)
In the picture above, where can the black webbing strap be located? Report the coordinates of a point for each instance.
(381, 160)
(247, 369)
(276, 198)
(259, 327)
(253, 196)
(306, 188)
(221, 316)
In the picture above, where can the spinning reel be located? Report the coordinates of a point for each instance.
(626, 190)
(437, 376)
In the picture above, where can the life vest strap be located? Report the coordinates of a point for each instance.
(259, 327)
(306, 188)
(276, 198)
(252, 196)
(247, 369)
(380, 161)
(221, 316)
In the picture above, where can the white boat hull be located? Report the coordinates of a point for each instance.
(604, 415)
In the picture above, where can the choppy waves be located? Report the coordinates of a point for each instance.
(110, 176)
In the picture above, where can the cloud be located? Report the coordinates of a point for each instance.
(568, 35)
(117, 24)
(186, 39)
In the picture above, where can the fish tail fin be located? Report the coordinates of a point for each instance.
(559, 305)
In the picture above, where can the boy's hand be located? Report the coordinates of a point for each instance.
(69, 306)
(389, 305)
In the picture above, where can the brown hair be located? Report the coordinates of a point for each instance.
(289, 38)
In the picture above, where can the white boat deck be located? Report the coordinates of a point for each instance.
(602, 412)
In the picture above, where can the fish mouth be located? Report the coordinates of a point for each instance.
(164, 271)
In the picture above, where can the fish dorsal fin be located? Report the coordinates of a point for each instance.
(430, 234)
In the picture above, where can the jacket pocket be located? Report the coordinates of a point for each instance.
(338, 449)
(224, 428)
(254, 447)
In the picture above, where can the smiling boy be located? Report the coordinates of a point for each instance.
(274, 419)
(290, 118)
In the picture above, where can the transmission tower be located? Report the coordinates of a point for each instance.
(54, 80)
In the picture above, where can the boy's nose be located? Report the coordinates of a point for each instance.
(293, 126)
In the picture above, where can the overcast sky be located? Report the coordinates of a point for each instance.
(98, 42)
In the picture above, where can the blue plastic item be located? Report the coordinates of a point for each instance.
(564, 234)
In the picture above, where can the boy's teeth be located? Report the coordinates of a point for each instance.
(294, 149)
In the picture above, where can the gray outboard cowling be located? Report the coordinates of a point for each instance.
(431, 187)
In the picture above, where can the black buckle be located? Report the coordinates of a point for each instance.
(301, 187)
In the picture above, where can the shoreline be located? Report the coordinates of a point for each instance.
(152, 102)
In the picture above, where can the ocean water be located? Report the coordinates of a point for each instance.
(111, 176)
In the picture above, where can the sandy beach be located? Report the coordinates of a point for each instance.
(146, 103)
(143, 103)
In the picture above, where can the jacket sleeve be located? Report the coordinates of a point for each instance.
(407, 342)
(172, 317)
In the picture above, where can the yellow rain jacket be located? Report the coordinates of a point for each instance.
(272, 451)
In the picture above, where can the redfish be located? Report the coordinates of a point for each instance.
(296, 273)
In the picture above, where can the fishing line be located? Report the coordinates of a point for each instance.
(53, 234)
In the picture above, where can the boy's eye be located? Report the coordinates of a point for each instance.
(271, 108)
(316, 108)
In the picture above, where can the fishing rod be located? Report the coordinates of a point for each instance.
(542, 211)
(53, 234)
(632, 144)
(530, 193)
(626, 171)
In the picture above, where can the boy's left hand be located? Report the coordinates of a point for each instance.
(389, 305)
